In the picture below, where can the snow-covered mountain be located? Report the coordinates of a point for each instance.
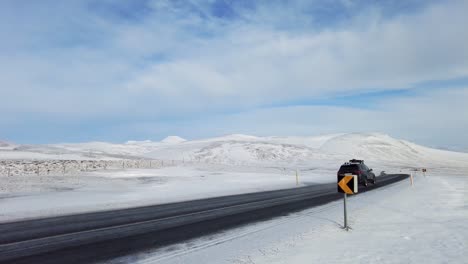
(235, 149)
(245, 149)
(173, 140)
(6, 145)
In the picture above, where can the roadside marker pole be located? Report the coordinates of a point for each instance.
(411, 179)
(347, 184)
(297, 178)
(346, 227)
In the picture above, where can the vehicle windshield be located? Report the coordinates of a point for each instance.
(348, 168)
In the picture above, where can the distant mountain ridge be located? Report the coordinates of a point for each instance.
(6, 145)
(246, 149)
(173, 140)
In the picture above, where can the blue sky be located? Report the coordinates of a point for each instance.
(131, 70)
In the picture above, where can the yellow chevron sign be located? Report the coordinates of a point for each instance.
(347, 184)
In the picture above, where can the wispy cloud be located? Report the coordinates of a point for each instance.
(153, 61)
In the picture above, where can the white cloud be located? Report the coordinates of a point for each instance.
(263, 65)
(175, 62)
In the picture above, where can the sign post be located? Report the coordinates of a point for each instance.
(347, 184)
(345, 213)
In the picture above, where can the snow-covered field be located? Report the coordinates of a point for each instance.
(424, 223)
(44, 180)
(32, 196)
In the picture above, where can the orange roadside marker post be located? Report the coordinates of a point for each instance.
(347, 184)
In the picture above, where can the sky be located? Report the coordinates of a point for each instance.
(82, 70)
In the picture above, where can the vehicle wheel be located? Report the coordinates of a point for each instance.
(374, 181)
(365, 183)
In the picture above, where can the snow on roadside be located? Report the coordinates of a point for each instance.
(426, 223)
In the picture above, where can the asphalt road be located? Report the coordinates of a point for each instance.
(94, 237)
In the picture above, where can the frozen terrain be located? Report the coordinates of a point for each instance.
(43, 180)
(424, 223)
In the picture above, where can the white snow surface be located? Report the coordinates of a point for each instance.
(177, 170)
(423, 223)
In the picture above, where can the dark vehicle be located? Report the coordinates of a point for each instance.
(357, 167)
